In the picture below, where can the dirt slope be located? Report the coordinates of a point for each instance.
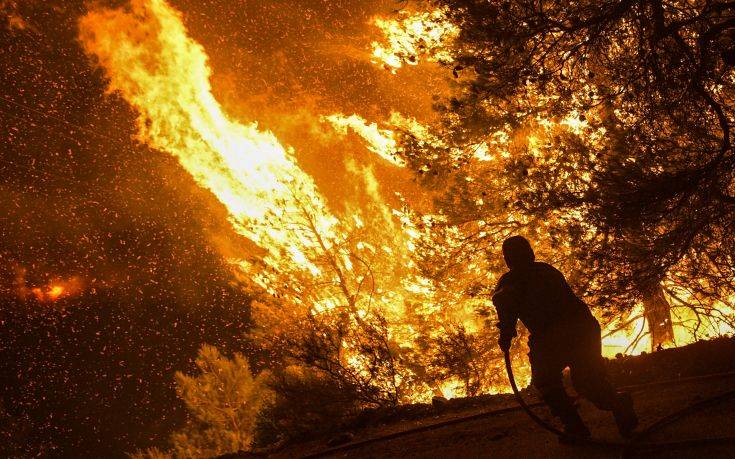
(513, 434)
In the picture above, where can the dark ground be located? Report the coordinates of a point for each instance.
(513, 434)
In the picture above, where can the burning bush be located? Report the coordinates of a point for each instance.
(464, 362)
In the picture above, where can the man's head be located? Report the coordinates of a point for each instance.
(517, 252)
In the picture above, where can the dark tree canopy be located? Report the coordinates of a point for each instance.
(616, 120)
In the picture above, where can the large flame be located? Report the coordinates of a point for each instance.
(313, 261)
(152, 62)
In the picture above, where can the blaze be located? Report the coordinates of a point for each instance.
(152, 62)
(312, 261)
(412, 37)
(164, 74)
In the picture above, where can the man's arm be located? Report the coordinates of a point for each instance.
(505, 300)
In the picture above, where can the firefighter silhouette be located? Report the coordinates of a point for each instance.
(563, 333)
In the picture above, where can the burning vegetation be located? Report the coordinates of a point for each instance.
(380, 295)
(337, 294)
(412, 37)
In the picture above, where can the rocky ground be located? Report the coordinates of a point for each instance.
(665, 382)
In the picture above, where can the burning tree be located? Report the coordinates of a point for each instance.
(342, 319)
(609, 124)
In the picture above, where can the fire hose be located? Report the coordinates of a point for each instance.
(634, 442)
(541, 422)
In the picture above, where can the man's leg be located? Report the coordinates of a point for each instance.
(589, 377)
(546, 377)
(590, 380)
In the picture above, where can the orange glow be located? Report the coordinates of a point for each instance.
(55, 292)
(309, 258)
(51, 292)
(355, 267)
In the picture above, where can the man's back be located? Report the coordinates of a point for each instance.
(541, 298)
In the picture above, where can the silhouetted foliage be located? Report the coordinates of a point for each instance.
(611, 123)
(223, 401)
(306, 402)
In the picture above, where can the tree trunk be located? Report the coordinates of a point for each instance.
(657, 311)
